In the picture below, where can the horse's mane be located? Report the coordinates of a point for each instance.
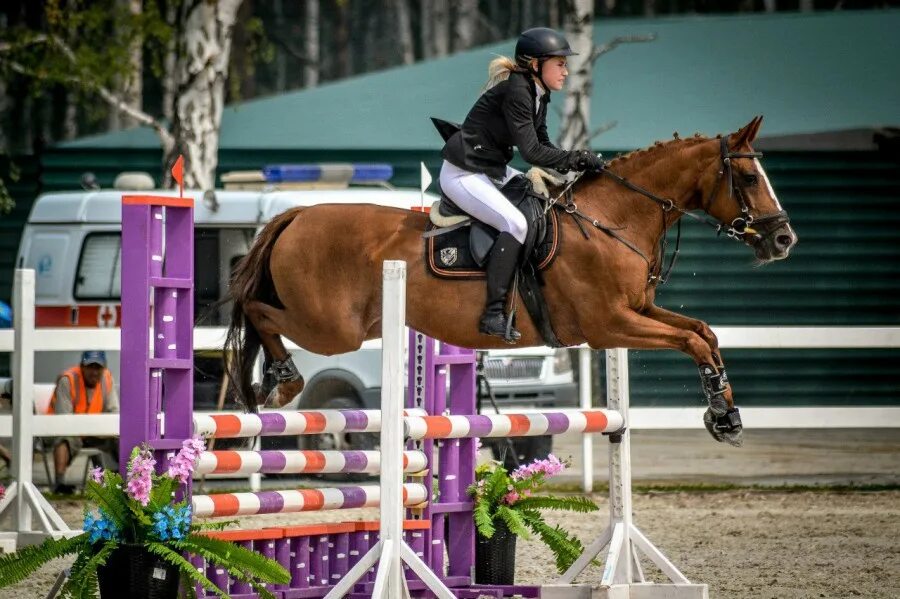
(647, 155)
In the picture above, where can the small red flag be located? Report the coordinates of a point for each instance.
(178, 174)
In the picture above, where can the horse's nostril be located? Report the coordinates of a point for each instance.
(783, 241)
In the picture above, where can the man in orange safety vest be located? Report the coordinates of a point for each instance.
(86, 388)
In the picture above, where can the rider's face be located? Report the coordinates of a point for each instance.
(555, 73)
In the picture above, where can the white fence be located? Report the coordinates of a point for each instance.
(211, 338)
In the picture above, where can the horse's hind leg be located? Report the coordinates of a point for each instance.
(269, 323)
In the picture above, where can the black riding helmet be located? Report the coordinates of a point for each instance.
(541, 43)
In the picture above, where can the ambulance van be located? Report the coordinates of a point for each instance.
(73, 242)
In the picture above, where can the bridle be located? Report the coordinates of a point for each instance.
(739, 228)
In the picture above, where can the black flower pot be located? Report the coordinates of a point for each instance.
(132, 571)
(495, 558)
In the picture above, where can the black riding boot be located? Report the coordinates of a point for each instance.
(501, 267)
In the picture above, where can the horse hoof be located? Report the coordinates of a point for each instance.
(284, 393)
(725, 428)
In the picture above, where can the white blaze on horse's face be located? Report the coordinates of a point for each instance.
(765, 178)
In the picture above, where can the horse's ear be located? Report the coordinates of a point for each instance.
(746, 134)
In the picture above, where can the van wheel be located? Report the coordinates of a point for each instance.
(340, 441)
(527, 450)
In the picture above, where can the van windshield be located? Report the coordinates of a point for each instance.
(100, 268)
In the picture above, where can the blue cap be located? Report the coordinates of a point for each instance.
(93, 357)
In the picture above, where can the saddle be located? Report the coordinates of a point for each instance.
(457, 247)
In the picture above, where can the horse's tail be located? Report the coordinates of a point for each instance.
(251, 281)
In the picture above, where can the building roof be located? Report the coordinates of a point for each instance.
(807, 73)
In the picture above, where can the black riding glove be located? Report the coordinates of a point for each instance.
(585, 160)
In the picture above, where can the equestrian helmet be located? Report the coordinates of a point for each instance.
(541, 42)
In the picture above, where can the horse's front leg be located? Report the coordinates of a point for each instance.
(722, 419)
(638, 331)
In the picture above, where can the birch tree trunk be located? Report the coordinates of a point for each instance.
(576, 118)
(404, 31)
(441, 28)
(204, 47)
(466, 24)
(311, 69)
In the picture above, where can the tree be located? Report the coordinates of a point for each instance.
(75, 50)
(579, 26)
(575, 131)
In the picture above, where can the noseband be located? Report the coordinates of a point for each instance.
(739, 229)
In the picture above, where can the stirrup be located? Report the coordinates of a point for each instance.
(498, 325)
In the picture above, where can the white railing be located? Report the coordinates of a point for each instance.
(212, 338)
(812, 417)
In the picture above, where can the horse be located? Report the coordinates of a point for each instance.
(313, 274)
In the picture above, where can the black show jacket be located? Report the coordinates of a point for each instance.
(504, 116)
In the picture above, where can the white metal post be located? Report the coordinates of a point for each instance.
(23, 392)
(22, 494)
(622, 573)
(585, 391)
(391, 551)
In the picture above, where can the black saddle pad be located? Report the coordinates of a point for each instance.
(449, 255)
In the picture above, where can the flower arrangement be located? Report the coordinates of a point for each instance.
(144, 511)
(508, 499)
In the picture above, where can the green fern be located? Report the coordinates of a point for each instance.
(565, 548)
(161, 493)
(110, 499)
(484, 521)
(513, 520)
(16, 567)
(83, 575)
(569, 504)
(187, 587)
(235, 556)
(185, 567)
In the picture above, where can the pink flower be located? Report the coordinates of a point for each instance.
(2, 491)
(182, 465)
(140, 471)
(510, 498)
(97, 475)
(549, 467)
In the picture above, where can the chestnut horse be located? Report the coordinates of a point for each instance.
(314, 273)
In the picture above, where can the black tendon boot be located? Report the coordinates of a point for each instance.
(501, 267)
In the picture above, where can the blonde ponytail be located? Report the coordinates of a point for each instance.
(499, 70)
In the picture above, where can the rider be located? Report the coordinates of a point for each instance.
(511, 112)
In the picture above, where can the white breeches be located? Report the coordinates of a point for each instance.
(477, 194)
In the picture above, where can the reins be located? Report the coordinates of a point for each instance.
(737, 229)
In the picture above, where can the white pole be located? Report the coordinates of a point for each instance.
(393, 319)
(23, 392)
(585, 388)
(619, 466)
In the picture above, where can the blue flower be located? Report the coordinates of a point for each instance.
(172, 523)
(100, 529)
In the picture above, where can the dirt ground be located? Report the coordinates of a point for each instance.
(743, 544)
(756, 541)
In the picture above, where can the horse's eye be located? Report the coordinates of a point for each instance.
(750, 179)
